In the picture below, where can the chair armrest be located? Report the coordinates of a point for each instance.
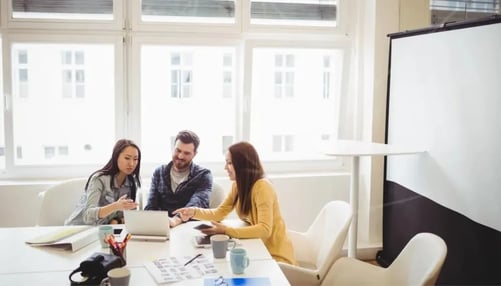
(350, 271)
(298, 275)
(302, 248)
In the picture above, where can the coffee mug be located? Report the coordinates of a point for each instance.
(238, 260)
(103, 232)
(117, 277)
(220, 244)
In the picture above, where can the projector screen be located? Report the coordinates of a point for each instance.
(444, 96)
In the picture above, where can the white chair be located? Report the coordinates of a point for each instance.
(217, 196)
(318, 247)
(59, 201)
(419, 263)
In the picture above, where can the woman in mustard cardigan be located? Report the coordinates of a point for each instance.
(255, 201)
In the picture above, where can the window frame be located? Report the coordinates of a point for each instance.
(119, 10)
(127, 34)
(50, 171)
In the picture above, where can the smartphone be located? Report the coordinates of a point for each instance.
(202, 240)
(202, 226)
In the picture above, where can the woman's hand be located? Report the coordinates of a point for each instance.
(124, 203)
(185, 213)
(217, 228)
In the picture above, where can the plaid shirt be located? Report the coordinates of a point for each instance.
(194, 192)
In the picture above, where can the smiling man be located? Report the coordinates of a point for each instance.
(180, 183)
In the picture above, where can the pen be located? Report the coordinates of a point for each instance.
(191, 260)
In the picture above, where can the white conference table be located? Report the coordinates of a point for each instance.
(22, 264)
(355, 150)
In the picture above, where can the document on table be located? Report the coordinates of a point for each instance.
(173, 269)
(69, 237)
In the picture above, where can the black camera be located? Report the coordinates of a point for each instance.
(95, 268)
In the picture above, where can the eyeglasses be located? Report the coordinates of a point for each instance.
(220, 281)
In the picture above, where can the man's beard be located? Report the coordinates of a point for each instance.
(181, 164)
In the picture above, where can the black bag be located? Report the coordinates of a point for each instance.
(95, 268)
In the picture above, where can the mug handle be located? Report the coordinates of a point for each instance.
(233, 244)
(105, 282)
(246, 262)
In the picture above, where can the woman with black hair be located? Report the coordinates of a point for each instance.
(111, 189)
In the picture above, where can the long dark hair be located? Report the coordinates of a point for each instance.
(248, 170)
(111, 168)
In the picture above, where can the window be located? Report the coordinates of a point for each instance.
(86, 73)
(327, 78)
(284, 76)
(63, 9)
(293, 115)
(22, 73)
(444, 11)
(181, 74)
(228, 76)
(215, 11)
(46, 118)
(193, 97)
(73, 73)
(294, 12)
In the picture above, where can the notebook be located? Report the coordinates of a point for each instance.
(147, 225)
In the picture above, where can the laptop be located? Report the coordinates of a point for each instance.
(147, 225)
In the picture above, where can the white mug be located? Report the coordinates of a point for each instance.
(102, 232)
(117, 277)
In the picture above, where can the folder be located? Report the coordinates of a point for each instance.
(69, 237)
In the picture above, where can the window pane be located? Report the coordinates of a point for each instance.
(49, 117)
(200, 107)
(282, 128)
(22, 57)
(443, 11)
(63, 9)
(294, 12)
(195, 11)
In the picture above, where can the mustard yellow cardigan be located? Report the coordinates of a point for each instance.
(265, 220)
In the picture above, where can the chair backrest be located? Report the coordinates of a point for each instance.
(216, 195)
(420, 262)
(59, 201)
(328, 232)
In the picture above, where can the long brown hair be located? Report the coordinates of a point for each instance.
(248, 170)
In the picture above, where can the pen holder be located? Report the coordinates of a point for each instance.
(118, 248)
